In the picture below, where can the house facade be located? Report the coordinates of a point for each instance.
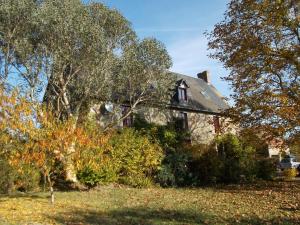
(196, 105)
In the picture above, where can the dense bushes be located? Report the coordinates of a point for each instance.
(238, 159)
(229, 159)
(149, 154)
(266, 168)
(174, 170)
(22, 177)
(128, 158)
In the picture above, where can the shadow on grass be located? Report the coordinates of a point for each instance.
(260, 186)
(22, 195)
(146, 216)
(131, 216)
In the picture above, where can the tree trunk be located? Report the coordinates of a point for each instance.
(51, 189)
(44, 182)
(10, 183)
(69, 165)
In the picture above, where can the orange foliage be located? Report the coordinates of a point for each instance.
(43, 138)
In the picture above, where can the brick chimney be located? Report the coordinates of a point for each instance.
(205, 75)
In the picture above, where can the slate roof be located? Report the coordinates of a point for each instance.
(202, 97)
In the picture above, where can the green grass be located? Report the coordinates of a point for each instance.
(278, 204)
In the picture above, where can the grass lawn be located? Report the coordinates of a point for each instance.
(278, 204)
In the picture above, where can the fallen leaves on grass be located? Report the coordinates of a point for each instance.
(222, 205)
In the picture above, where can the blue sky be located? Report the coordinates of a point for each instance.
(180, 25)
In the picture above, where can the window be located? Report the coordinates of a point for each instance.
(182, 96)
(204, 93)
(128, 121)
(217, 125)
(183, 121)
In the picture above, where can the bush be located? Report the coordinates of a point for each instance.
(136, 158)
(128, 158)
(165, 176)
(266, 168)
(165, 135)
(175, 170)
(88, 177)
(22, 177)
(137, 181)
(291, 173)
(238, 159)
(208, 168)
(227, 160)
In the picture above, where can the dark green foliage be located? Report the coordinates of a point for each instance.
(266, 168)
(166, 177)
(165, 135)
(175, 165)
(24, 178)
(88, 177)
(208, 167)
(230, 160)
(175, 170)
(238, 159)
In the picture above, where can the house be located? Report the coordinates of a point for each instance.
(196, 105)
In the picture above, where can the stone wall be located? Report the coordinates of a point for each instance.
(200, 125)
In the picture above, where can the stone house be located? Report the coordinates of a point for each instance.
(196, 104)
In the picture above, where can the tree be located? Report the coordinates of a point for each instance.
(259, 43)
(81, 41)
(82, 54)
(31, 134)
(19, 52)
(141, 77)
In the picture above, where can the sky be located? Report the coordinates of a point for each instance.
(180, 25)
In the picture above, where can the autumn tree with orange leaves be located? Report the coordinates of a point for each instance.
(259, 43)
(31, 134)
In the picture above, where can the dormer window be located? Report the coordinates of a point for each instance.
(182, 91)
(182, 96)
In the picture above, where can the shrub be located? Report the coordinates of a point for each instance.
(128, 158)
(137, 181)
(165, 135)
(175, 170)
(226, 160)
(165, 176)
(289, 174)
(7, 176)
(88, 177)
(135, 157)
(24, 177)
(238, 159)
(266, 168)
(28, 178)
(92, 178)
(208, 168)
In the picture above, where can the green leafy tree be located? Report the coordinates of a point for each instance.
(259, 43)
(82, 54)
(141, 77)
(19, 52)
